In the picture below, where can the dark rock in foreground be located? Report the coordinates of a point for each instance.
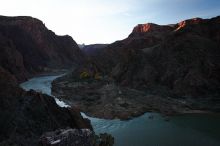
(25, 116)
(75, 137)
(68, 137)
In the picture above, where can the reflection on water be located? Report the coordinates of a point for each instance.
(187, 130)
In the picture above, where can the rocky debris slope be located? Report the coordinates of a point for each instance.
(105, 99)
(28, 47)
(173, 66)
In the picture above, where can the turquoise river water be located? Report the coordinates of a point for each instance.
(184, 130)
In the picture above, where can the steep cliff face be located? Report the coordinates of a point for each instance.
(34, 47)
(11, 59)
(25, 116)
(186, 23)
(150, 29)
(142, 36)
(185, 62)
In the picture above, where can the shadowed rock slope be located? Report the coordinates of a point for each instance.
(186, 62)
(28, 47)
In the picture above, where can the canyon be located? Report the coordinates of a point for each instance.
(29, 118)
(168, 69)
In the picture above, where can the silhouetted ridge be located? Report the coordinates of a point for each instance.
(35, 48)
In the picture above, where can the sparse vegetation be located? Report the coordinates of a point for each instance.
(84, 75)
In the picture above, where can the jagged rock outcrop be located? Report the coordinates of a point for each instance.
(68, 137)
(28, 47)
(186, 23)
(150, 29)
(75, 137)
(25, 116)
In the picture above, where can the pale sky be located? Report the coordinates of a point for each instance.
(105, 21)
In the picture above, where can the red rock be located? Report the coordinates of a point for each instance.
(185, 23)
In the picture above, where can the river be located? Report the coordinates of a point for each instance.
(149, 129)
